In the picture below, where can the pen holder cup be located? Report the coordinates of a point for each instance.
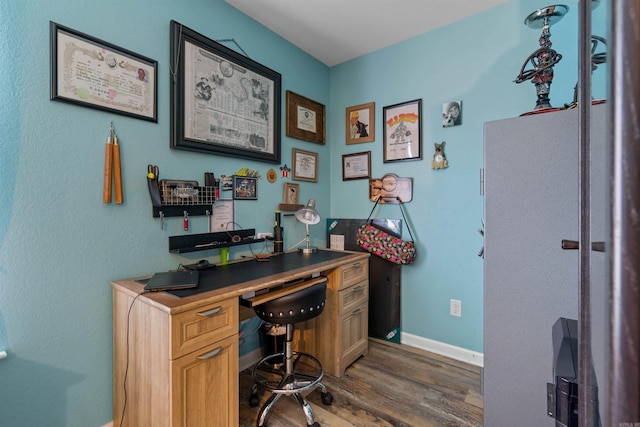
(224, 256)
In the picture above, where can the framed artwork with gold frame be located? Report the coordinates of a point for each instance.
(290, 197)
(360, 123)
(291, 193)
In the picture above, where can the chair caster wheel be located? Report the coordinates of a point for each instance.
(327, 398)
(254, 400)
(316, 424)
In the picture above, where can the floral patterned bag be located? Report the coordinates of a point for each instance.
(382, 244)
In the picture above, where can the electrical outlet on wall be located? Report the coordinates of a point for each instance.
(455, 308)
(264, 236)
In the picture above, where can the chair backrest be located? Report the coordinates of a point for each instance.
(295, 307)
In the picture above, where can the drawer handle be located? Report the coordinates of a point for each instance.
(357, 265)
(210, 313)
(572, 244)
(357, 311)
(211, 354)
(357, 289)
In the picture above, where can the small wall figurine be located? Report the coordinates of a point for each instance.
(439, 159)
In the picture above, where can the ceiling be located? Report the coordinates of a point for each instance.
(335, 31)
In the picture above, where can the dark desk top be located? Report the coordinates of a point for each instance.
(239, 278)
(221, 276)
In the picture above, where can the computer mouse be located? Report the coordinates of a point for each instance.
(202, 263)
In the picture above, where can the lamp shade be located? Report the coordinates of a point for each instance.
(308, 214)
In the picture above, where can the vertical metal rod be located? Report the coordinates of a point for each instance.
(585, 399)
(624, 84)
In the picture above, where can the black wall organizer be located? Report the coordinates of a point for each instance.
(174, 198)
(205, 241)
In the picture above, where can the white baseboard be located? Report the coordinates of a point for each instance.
(110, 424)
(448, 350)
(250, 359)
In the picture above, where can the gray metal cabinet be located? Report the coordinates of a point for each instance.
(530, 205)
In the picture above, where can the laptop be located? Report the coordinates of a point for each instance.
(173, 280)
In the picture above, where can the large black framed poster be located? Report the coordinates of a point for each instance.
(222, 102)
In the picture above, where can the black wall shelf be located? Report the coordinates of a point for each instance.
(205, 241)
(179, 210)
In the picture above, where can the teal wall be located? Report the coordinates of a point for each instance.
(60, 246)
(474, 60)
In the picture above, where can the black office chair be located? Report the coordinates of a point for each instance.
(289, 372)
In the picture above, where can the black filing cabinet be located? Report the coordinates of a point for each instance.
(384, 276)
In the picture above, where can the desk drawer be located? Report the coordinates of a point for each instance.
(355, 332)
(353, 296)
(203, 326)
(354, 272)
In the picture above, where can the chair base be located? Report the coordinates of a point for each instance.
(271, 373)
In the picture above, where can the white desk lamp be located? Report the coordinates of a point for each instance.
(308, 215)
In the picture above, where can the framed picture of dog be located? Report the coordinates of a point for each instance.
(360, 123)
(451, 114)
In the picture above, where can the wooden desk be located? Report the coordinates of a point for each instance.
(180, 355)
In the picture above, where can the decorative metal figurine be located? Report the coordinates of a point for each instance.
(544, 58)
(597, 58)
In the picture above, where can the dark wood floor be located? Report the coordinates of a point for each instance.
(394, 385)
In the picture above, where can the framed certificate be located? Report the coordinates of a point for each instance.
(305, 165)
(223, 216)
(356, 166)
(305, 118)
(93, 73)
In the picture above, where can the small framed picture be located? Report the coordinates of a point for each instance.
(305, 165)
(305, 118)
(226, 182)
(451, 114)
(291, 192)
(360, 123)
(402, 131)
(245, 188)
(356, 166)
